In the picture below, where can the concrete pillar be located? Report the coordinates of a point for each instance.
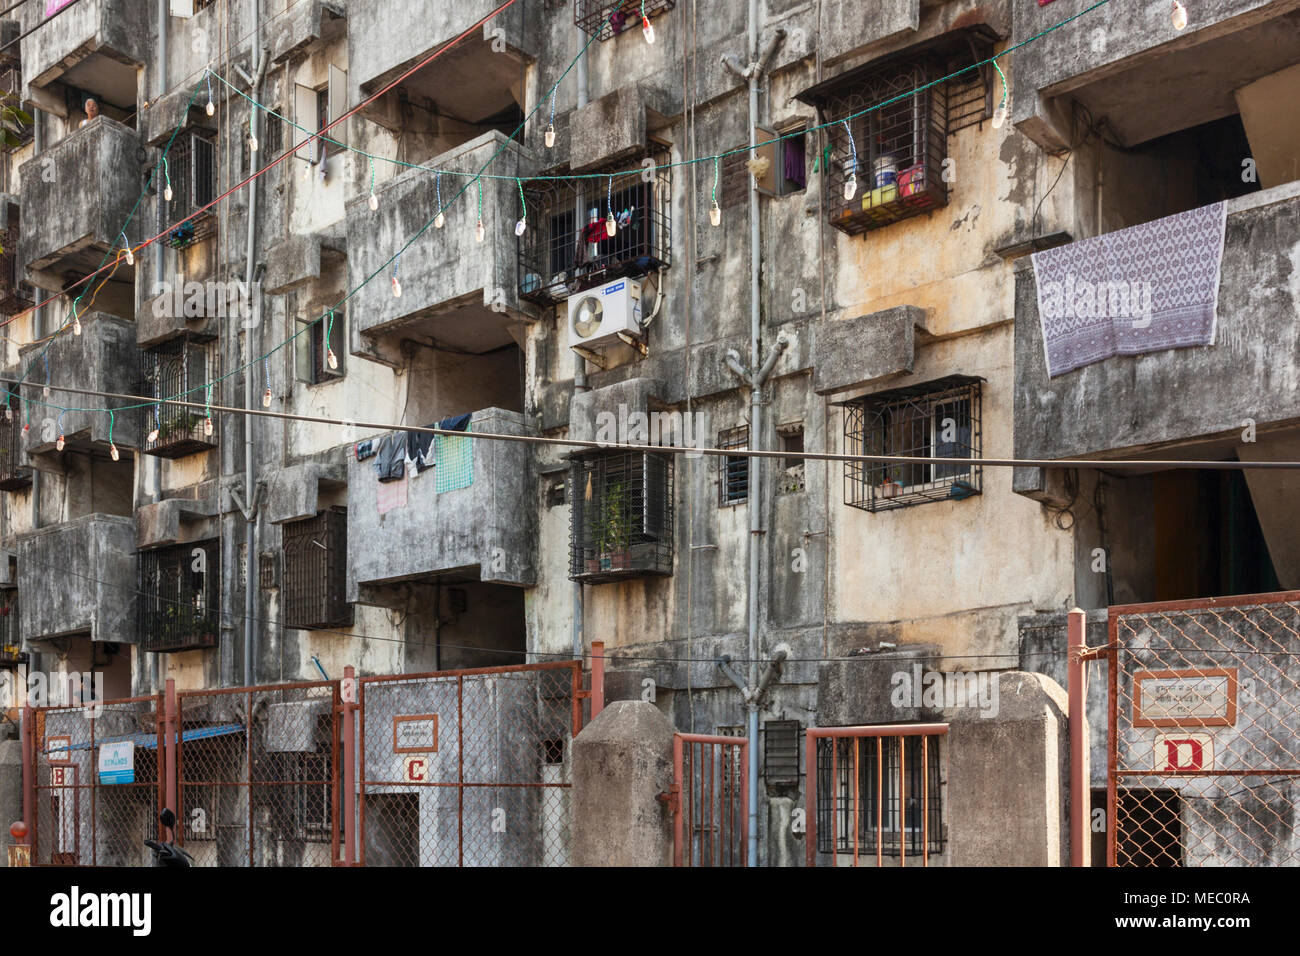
(1008, 777)
(11, 790)
(622, 761)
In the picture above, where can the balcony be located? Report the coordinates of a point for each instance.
(461, 293)
(91, 178)
(1131, 404)
(93, 48)
(78, 578)
(104, 357)
(1132, 67)
(472, 516)
(478, 74)
(177, 369)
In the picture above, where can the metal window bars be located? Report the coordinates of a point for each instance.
(14, 475)
(179, 597)
(871, 795)
(315, 571)
(11, 640)
(938, 419)
(192, 173)
(621, 516)
(567, 249)
(733, 470)
(178, 369)
(604, 20)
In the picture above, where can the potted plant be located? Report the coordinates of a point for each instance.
(616, 529)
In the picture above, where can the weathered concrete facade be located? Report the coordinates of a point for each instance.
(481, 573)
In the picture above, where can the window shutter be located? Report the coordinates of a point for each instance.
(338, 102)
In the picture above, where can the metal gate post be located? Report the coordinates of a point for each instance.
(810, 798)
(349, 765)
(597, 678)
(171, 733)
(28, 731)
(1078, 704)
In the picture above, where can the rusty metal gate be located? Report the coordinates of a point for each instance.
(257, 771)
(1204, 732)
(76, 820)
(710, 800)
(469, 767)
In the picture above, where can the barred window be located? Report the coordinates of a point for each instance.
(174, 372)
(939, 419)
(733, 470)
(621, 513)
(602, 19)
(191, 172)
(311, 350)
(14, 475)
(871, 806)
(11, 641)
(315, 571)
(179, 593)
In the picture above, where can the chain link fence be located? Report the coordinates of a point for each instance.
(1205, 732)
(468, 768)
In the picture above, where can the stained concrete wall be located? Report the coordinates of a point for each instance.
(119, 29)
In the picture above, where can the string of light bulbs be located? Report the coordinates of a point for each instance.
(439, 219)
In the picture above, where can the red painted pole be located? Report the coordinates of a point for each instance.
(678, 828)
(28, 731)
(810, 798)
(171, 733)
(597, 678)
(349, 765)
(1078, 723)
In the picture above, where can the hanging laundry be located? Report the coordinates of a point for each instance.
(390, 460)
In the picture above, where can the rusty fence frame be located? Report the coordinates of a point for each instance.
(717, 809)
(35, 735)
(176, 755)
(1112, 652)
(877, 732)
(355, 852)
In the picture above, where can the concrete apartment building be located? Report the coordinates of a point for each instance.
(897, 316)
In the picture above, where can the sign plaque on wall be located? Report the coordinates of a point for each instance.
(1195, 697)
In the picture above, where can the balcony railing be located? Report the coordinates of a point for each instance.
(13, 473)
(177, 370)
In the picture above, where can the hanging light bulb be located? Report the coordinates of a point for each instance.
(647, 30)
(112, 450)
(130, 256)
(715, 214)
(46, 390)
(153, 435)
(1000, 115)
(331, 359)
(58, 445)
(266, 397)
(207, 426)
(27, 427)
(550, 136)
(479, 232)
(397, 287)
(167, 192)
(521, 226)
(439, 220)
(1178, 14)
(850, 187)
(9, 414)
(211, 108)
(76, 325)
(252, 138)
(611, 225)
(374, 201)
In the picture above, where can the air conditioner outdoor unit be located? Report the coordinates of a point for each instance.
(597, 316)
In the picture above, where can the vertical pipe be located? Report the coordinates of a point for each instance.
(28, 731)
(677, 808)
(349, 765)
(1078, 703)
(597, 678)
(580, 363)
(925, 801)
(902, 801)
(880, 803)
(810, 798)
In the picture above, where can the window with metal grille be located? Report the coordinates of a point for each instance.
(13, 475)
(315, 571)
(939, 419)
(15, 294)
(621, 516)
(567, 247)
(871, 803)
(178, 371)
(16, 133)
(733, 470)
(179, 593)
(191, 171)
(888, 125)
(311, 351)
(791, 480)
(602, 19)
(781, 752)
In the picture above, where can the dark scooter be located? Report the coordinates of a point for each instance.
(167, 853)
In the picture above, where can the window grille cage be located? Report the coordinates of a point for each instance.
(179, 594)
(555, 257)
(11, 641)
(781, 742)
(939, 419)
(192, 170)
(15, 294)
(603, 19)
(315, 571)
(875, 789)
(11, 89)
(13, 475)
(733, 470)
(178, 370)
(621, 516)
(899, 117)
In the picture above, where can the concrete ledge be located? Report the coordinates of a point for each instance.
(159, 523)
(295, 491)
(619, 400)
(613, 126)
(851, 353)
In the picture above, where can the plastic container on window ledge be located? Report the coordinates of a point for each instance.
(889, 488)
